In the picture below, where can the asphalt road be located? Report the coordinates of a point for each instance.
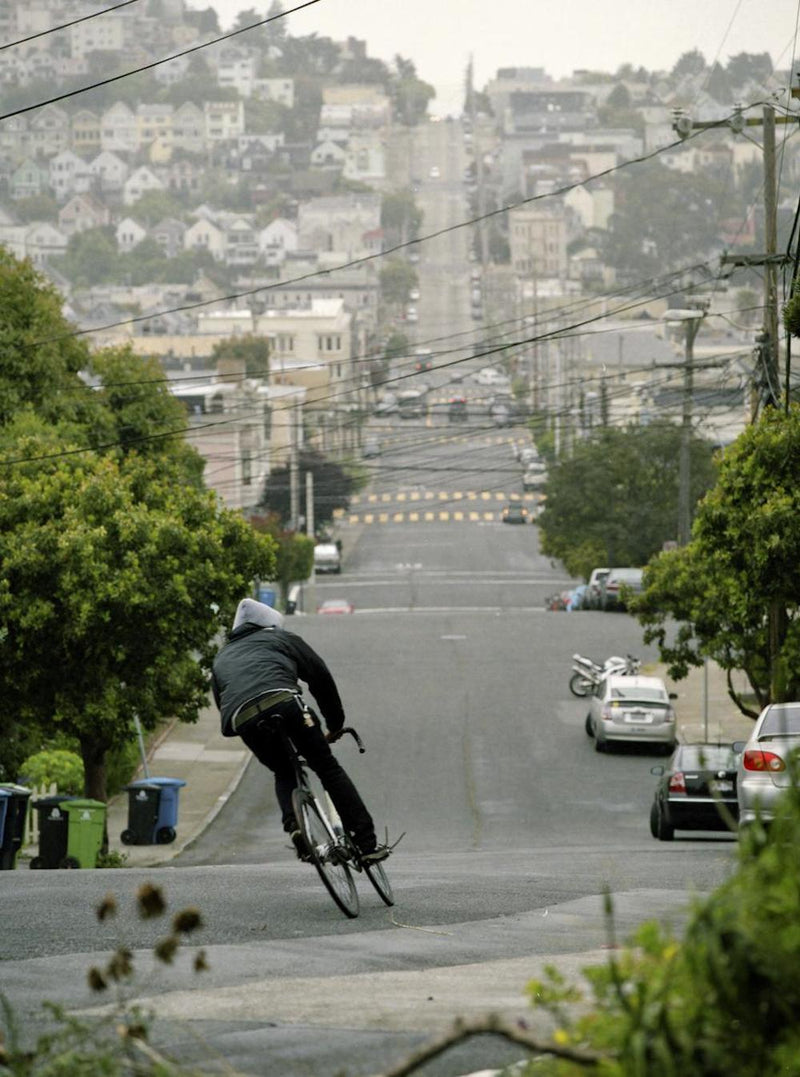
(514, 828)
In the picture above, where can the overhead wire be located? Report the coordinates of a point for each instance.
(66, 25)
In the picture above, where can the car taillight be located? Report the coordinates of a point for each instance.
(677, 783)
(755, 759)
(670, 715)
(607, 713)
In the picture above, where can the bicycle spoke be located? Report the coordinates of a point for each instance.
(326, 854)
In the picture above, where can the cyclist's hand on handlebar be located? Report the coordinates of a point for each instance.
(333, 735)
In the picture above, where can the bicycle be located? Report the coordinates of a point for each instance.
(330, 848)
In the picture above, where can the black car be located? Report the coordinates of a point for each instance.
(515, 514)
(696, 791)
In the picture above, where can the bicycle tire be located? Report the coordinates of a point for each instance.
(334, 873)
(380, 880)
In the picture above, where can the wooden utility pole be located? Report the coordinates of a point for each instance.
(769, 260)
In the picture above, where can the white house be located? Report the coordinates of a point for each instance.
(129, 233)
(205, 235)
(328, 155)
(68, 175)
(44, 241)
(188, 128)
(224, 120)
(109, 171)
(119, 131)
(139, 183)
(278, 237)
(236, 69)
(279, 90)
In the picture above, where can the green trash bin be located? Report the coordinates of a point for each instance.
(87, 823)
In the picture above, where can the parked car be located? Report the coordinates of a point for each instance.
(336, 605)
(767, 764)
(387, 405)
(534, 479)
(615, 585)
(411, 314)
(434, 172)
(594, 588)
(515, 514)
(696, 790)
(327, 557)
(491, 376)
(457, 410)
(625, 709)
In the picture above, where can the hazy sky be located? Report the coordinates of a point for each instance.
(559, 35)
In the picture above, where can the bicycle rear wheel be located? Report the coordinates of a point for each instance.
(380, 880)
(326, 855)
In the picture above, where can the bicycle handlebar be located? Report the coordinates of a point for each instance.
(348, 729)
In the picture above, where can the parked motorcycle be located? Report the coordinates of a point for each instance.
(587, 674)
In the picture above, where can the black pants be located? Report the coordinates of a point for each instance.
(262, 737)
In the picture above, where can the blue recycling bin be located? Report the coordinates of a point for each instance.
(152, 811)
(13, 829)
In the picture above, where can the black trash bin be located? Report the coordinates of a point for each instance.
(14, 827)
(53, 832)
(144, 801)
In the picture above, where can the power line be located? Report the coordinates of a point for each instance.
(65, 26)
(156, 63)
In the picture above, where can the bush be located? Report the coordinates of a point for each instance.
(54, 766)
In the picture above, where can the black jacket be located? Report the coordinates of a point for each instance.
(256, 660)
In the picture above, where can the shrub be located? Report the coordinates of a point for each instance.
(54, 765)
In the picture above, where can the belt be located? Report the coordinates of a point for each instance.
(261, 705)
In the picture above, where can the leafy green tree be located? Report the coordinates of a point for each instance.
(733, 591)
(397, 278)
(410, 95)
(205, 21)
(651, 201)
(615, 500)
(250, 349)
(718, 85)
(91, 257)
(689, 63)
(334, 485)
(401, 217)
(117, 568)
(38, 207)
(749, 67)
(294, 553)
(154, 206)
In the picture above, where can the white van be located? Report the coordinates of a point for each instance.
(327, 558)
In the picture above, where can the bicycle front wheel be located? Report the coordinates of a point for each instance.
(380, 880)
(326, 853)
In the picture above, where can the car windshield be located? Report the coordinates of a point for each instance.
(706, 757)
(781, 721)
(637, 694)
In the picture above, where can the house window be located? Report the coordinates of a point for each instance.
(247, 468)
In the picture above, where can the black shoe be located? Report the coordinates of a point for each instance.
(374, 856)
(300, 846)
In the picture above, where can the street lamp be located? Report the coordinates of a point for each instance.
(691, 318)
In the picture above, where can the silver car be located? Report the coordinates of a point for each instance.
(766, 768)
(631, 709)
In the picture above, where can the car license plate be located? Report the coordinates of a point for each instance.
(722, 787)
(638, 717)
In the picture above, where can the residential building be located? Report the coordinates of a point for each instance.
(119, 129)
(188, 128)
(224, 120)
(48, 131)
(99, 35)
(28, 179)
(276, 239)
(236, 69)
(205, 235)
(85, 133)
(109, 172)
(68, 174)
(139, 183)
(82, 212)
(279, 90)
(129, 233)
(169, 234)
(44, 241)
(346, 224)
(537, 238)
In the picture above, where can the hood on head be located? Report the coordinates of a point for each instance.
(257, 613)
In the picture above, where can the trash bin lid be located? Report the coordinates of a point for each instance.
(176, 782)
(4, 793)
(13, 788)
(83, 805)
(142, 783)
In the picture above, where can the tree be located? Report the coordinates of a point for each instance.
(91, 257)
(250, 349)
(294, 553)
(734, 590)
(401, 217)
(334, 485)
(397, 278)
(615, 500)
(409, 94)
(689, 64)
(747, 67)
(117, 569)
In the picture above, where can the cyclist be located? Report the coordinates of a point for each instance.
(254, 678)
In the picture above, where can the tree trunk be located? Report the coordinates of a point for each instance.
(93, 753)
(778, 623)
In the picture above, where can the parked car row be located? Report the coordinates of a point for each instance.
(607, 589)
(704, 786)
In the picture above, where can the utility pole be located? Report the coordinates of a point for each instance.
(691, 319)
(770, 259)
(311, 586)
